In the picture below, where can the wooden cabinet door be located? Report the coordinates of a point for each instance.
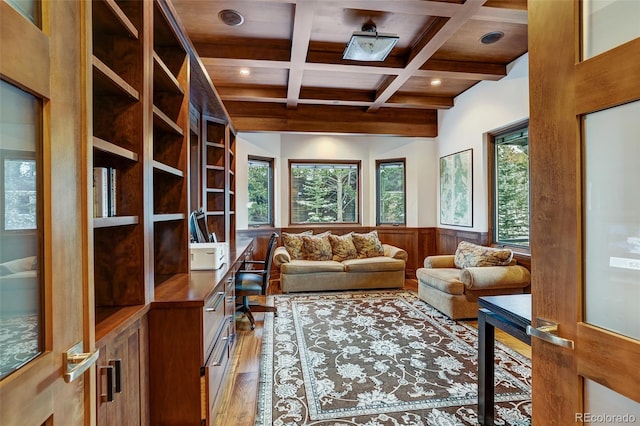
(41, 54)
(121, 391)
(585, 209)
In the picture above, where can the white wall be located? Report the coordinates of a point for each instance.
(487, 106)
(421, 169)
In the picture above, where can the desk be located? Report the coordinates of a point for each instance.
(510, 313)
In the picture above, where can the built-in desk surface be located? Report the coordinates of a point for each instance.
(193, 288)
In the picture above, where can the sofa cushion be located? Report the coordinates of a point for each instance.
(373, 264)
(311, 266)
(471, 255)
(443, 279)
(367, 245)
(293, 243)
(342, 247)
(316, 247)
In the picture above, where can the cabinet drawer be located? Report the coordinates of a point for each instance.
(212, 319)
(215, 371)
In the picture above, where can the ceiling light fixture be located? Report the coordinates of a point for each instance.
(369, 44)
(436, 82)
(492, 37)
(245, 71)
(231, 17)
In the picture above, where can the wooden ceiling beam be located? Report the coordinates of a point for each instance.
(249, 63)
(276, 50)
(425, 48)
(462, 70)
(400, 100)
(498, 14)
(334, 119)
(301, 36)
(324, 96)
(253, 93)
(433, 68)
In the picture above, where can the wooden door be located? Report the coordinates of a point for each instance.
(570, 87)
(41, 57)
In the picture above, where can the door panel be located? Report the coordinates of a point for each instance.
(43, 56)
(584, 211)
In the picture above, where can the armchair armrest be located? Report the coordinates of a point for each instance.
(395, 252)
(280, 256)
(440, 261)
(490, 277)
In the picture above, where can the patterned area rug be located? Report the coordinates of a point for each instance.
(18, 342)
(379, 358)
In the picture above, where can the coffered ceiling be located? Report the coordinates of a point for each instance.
(298, 81)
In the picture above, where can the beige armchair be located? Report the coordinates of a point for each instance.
(454, 291)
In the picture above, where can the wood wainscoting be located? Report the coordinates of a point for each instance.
(418, 242)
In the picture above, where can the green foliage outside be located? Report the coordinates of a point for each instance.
(259, 189)
(392, 193)
(324, 194)
(513, 194)
(19, 194)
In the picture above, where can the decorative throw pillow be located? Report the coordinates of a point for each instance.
(293, 243)
(367, 245)
(317, 247)
(469, 255)
(342, 247)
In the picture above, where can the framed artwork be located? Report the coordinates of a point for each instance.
(456, 189)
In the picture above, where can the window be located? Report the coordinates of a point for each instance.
(21, 233)
(260, 189)
(510, 191)
(19, 177)
(324, 192)
(390, 192)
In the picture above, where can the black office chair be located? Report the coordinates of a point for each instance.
(255, 282)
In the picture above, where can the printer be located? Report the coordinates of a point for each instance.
(207, 255)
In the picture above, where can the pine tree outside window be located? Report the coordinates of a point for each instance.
(510, 192)
(324, 192)
(390, 192)
(260, 190)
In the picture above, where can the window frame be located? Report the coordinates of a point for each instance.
(380, 163)
(271, 209)
(357, 163)
(492, 136)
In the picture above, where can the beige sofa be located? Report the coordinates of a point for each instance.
(454, 291)
(298, 275)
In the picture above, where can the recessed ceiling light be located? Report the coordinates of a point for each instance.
(231, 17)
(436, 82)
(245, 71)
(492, 37)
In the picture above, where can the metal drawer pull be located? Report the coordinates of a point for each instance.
(546, 331)
(216, 303)
(76, 362)
(223, 353)
(108, 397)
(117, 365)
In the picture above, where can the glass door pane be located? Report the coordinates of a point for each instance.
(608, 24)
(30, 9)
(612, 219)
(20, 278)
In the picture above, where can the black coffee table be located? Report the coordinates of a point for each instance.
(510, 313)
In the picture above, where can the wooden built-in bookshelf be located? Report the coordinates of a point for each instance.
(170, 149)
(117, 139)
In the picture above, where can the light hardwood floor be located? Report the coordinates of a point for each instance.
(238, 401)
